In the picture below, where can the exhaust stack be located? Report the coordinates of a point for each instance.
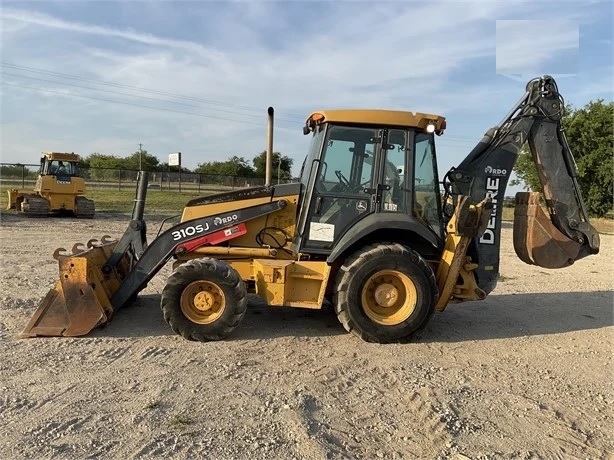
(269, 148)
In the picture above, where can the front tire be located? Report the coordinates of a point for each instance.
(385, 293)
(204, 299)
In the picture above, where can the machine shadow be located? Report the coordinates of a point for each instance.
(144, 319)
(498, 317)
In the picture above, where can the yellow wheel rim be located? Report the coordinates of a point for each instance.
(202, 302)
(389, 297)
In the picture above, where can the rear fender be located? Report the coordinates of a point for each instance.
(400, 227)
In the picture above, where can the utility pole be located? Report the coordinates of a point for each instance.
(140, 157)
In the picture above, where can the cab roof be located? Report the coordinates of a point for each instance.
(378, 117)
(63, 156)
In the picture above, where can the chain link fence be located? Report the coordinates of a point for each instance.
(15, 175)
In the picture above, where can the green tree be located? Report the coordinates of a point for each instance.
(147, 161)
(12, 171)
(590, 135)
(104, 167)
(526, 171)
(235, 166)
(281, 164)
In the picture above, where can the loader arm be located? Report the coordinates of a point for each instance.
(101, 277)
(553, 241)
(160, 250)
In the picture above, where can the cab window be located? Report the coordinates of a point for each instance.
(426, 183)
(395, 197)
(62, 168)
(347, 162)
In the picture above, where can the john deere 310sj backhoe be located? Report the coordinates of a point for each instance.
(365, 228)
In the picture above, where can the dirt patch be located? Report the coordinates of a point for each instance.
(525, 374)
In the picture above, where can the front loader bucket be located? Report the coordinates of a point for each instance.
(80, 300)
(536, 240)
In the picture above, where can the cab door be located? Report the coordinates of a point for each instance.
(408, 178)
(345, 189)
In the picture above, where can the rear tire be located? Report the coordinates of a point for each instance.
(204, 299)
(385, 293)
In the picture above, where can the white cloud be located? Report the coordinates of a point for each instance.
(233, 66)
(530, 46)
(47, 21)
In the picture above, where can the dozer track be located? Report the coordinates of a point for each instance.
(35, 206)
(85, 208)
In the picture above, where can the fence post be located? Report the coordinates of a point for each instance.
(119, 179)
(198, 184)
(23, 176)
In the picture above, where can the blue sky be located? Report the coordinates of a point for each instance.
(212, 68)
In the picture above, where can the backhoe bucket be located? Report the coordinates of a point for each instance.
(536, 240)
(80, 300)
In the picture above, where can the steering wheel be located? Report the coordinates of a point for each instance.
(342, 179)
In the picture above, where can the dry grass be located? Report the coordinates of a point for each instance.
(159, 202)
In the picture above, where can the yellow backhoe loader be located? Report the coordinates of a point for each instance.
(365, 228)
(59, 189)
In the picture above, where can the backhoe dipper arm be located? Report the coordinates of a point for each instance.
(553, 242)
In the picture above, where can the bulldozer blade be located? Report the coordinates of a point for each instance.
(536, 240)
(80, 300)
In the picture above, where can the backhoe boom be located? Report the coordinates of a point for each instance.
(553, 242)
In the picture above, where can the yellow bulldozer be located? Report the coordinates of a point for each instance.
(59, 189)
(366, 228)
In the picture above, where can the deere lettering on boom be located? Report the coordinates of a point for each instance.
(365, 228)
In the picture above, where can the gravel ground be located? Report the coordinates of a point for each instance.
(525, 374)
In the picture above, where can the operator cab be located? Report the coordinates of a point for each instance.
(59, 164)
(368, 171)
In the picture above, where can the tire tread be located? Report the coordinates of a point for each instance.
(226, 277)
(358, 259)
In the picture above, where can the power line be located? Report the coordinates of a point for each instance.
(450, 141)
(133, 95)
(162, 93)
(128, 103)
(136, 88)
(445, 142)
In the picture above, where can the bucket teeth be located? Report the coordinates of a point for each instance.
(93, 243)
(60, 252)
(106, 239)
(79, 248)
